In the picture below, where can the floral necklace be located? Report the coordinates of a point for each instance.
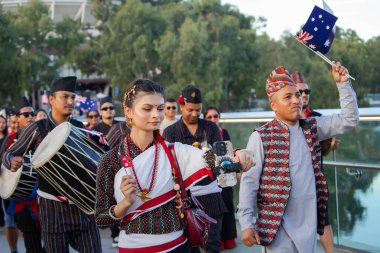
(143, 192)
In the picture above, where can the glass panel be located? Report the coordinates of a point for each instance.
(356, 222)
(360, 145)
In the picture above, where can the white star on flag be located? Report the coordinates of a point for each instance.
(312, 19)
(327, 27)
(327, 43)
(315, 28)
(320, 16)
(312, 46)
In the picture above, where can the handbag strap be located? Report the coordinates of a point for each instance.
(175, 165)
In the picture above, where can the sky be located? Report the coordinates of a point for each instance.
(360, 15)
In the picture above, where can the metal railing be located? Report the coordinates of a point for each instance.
(352, 165)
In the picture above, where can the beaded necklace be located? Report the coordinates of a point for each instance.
(143, 195)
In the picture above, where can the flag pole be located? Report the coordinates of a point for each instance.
(324, 57)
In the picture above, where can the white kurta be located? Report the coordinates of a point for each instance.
(298, 229)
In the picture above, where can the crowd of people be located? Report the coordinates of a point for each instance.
(137, 193)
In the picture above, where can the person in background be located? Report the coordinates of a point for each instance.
(12, 124)
(212, 114)
(41, 114)
(3, 134)
(3, 129)
(11, 232)
(92, 118)
(200, 133)
(25, 210)
(107, 113)
(170, 112)
(228, 233)
(327, 240)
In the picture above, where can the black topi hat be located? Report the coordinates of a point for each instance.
(68, 83)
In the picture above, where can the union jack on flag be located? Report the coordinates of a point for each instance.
(317, 33)
(85, 103)
(80, 99)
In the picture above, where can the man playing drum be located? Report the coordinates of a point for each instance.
(25, 210)
(62, 223)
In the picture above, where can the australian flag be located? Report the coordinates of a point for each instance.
(318, 33)
(85, 103)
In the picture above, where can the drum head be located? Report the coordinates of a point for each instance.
(51, 144)
(8, 181)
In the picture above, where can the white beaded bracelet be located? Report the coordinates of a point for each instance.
(112, 213)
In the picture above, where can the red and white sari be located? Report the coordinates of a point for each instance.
(193, 169)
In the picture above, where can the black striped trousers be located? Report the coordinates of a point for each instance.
(63, 224)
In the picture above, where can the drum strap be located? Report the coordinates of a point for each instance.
(49, 196)
(45, 126)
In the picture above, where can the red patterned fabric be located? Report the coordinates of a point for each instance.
(279, 78)
(275, 184)
(298, 77)
(12, 137)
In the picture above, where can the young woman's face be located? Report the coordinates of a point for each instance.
(147, 111)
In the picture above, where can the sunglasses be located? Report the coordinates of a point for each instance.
(213, 116)
(171, 108)
(107, 108)
(26, 114)
(307, 91)
(93, 116)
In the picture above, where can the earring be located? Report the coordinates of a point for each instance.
(129, 121)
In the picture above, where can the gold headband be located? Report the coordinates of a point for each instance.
(129, 93)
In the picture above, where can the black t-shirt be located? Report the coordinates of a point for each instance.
(103, 127)
(206, 130)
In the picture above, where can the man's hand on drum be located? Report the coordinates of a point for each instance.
(16, 163)
(249, 237)
(128, 188)
(245, 158)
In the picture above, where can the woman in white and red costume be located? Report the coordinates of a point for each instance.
(136, 185)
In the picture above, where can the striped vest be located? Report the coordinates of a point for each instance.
(275, 181)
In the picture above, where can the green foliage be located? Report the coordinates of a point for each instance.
(210, 45)
(216, 48)
(9, 73)
(35, 48)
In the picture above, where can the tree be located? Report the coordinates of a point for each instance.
(212, 48)
(9, 65)
(44, 46)
(216, 48)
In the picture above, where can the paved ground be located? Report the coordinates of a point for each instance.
(107, 248)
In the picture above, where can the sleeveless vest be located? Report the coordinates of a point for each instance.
(275, 183)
